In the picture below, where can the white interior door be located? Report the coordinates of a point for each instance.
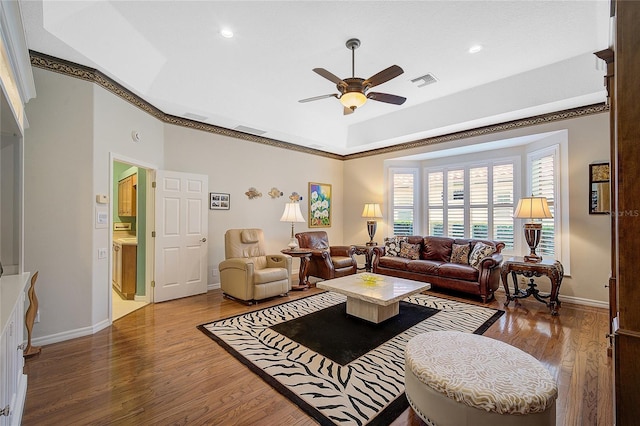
(181, 235)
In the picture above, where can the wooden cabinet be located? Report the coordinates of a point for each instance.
(127, 194)
(125, 269)
(13, 382)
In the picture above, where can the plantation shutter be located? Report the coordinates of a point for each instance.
(435, 200)
(479, 202)
(503, 204)
(543, 184)
(403, 203)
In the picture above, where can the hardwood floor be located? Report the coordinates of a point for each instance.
(154, 367)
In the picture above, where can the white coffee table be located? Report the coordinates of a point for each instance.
(374, 300)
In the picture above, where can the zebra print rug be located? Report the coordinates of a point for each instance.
(368, 390)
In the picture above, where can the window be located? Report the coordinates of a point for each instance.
(478, 201)
(543, 169)
(403, 205)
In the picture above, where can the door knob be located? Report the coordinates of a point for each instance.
(204, 240)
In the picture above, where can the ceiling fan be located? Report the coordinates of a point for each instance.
(354, 91)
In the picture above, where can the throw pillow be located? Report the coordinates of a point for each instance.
(479, 252)
(460, 254)
(409, 251)
(392, 245)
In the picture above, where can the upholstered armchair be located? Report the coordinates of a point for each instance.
(327, 261)
(248, 273)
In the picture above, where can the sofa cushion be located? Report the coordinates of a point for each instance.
(479, 252)
(428, 267)
(340, 262)
(437, 248)
(394, 262)
(460, 253)
(409, 251)
(392, 245)
(458, 271)
(249, 236)
(268, 275)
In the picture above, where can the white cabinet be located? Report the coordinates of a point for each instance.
(13, 382)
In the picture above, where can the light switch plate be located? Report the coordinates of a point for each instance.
(102, 253)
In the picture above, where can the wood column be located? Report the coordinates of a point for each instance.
(626, 212)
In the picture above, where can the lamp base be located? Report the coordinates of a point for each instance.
(371, 229)
(532, 234)
(293, 244)
(533, 259)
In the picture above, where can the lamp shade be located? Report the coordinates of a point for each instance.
(372, 211)
(292, 213)
(353, 99)
(533, 208)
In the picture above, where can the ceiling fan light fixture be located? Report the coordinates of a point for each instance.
(353, 100)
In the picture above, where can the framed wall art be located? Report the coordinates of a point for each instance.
(599, 190)
(219, 201)
(320, 205)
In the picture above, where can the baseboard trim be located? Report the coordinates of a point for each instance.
(71, 334)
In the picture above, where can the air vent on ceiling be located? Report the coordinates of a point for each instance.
(425, 80)
(251, 130)
(193, 116)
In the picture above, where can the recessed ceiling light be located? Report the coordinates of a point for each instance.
(475, 48)
(226, 33)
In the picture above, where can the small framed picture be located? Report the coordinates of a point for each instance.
(219, 201)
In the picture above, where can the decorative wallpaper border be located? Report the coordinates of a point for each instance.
(71, 69)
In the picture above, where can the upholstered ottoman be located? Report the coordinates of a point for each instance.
(454, 378)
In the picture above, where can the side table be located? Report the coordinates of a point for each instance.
(304, 256)
(518, 266)
(367, 251)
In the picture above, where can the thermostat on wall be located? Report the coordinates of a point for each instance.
(102, 199)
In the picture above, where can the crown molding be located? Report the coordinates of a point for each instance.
(71, 69)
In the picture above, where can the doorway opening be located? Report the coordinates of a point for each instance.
(131, 209)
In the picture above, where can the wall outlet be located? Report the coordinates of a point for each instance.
(102, 253)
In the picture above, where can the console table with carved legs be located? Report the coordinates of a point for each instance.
(547, 267)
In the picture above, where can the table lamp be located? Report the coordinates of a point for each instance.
(371, 212)
(533, 208)
(292, 214)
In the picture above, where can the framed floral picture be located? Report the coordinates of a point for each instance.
(320, 205)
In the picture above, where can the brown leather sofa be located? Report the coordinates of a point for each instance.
(327, 262)
(435, 267)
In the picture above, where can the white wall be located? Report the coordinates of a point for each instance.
(590, 234)
(58, 205)
(113, 121)
(234, 166)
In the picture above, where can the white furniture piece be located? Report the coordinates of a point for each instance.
(373, 297)
(13, 382)
(457, 379)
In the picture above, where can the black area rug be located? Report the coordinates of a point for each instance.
(369, 389)
(342, 338)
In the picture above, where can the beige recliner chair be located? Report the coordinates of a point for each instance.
(248, 273)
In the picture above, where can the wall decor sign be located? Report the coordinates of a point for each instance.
(320, 205)
(219, 201)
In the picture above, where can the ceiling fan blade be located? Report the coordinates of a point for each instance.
(383, 76)
(316, 98)
(347, 111)
(329, 76)
(385, 97)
